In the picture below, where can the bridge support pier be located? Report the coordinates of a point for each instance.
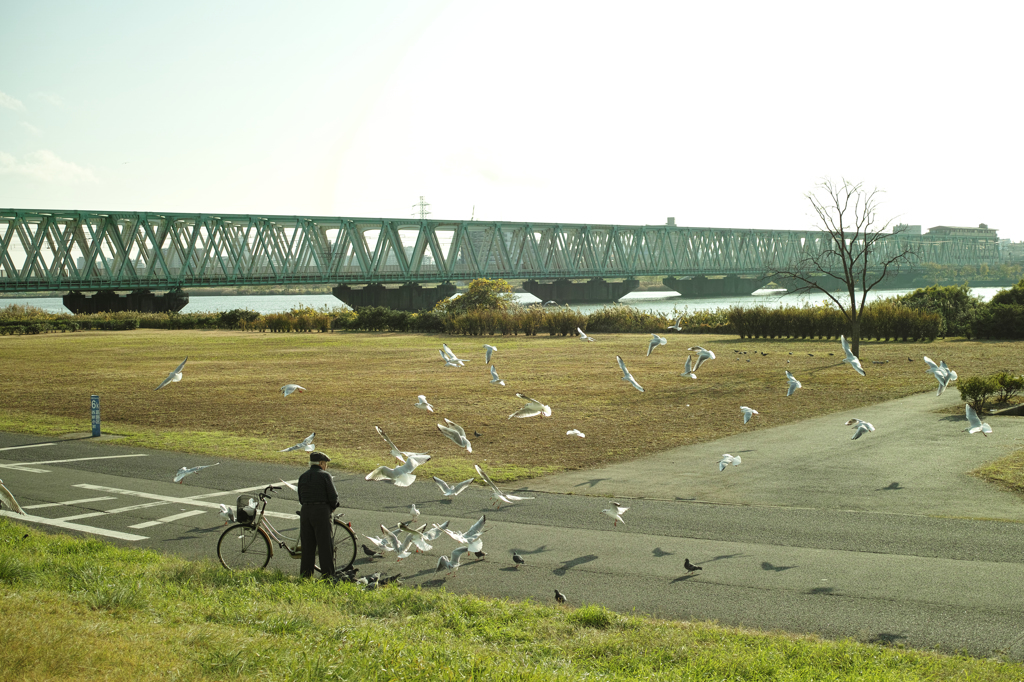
(108, 301)
(701, 286)
(410, 297)
(596, 290)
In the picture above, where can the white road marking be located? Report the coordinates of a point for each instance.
(68, 503)
(29, 466)
(195, 500)
(169, 519)
(119, 510)
(61, 523)
(21, 447)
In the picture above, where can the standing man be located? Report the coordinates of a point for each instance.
(318, 498)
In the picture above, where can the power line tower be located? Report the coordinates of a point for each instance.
(422, 209)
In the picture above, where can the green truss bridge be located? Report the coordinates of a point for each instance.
(116, 260)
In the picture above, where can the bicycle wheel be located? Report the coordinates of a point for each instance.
(344, 546)
(243, 546)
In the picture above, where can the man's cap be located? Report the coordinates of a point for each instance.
(317, 456)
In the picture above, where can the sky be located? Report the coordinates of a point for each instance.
(715, 114)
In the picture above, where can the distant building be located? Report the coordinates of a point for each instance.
(981, 232)
(1011, 251)
(909, 230)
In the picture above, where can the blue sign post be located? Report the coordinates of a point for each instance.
(95, 416)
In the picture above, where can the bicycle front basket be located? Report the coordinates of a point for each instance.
(241, 515)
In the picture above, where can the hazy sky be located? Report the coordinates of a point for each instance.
(718, 114)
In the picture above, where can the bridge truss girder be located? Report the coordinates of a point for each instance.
(85, 251)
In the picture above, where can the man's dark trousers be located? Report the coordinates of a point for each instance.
(315, 531)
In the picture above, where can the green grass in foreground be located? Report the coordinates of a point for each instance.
(84, 610)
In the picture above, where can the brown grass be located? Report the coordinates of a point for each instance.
(228, 404)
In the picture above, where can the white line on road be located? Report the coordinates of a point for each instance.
(119, 510)
(68, 503)
(61, 523)
(26, 466)
(33, 445)
(168, 519)
(196, 500)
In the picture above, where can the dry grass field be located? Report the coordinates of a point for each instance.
(228, 404)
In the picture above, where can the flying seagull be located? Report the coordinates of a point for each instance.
(451, 564)
(678, 325)
(575, 432)
(400, 455)
(616, 511)
(747, 413)
(490, 349)
(703, 355)
(688, 368)
(421, 403)
(8, 500)
(655, 342)
(495, 379)
(793, 384)
(850, 358)
(861, 427)
(626, 376)
(452, 490)
(976, 424)
(305, 444)
(186, 471)
(531, 409)
(943, 374)
(450, 359)
(173, 376)
(288, 389)
(401, 475)
(499, 496)
(456, 433)
(583, 337)
(727, 460)
(473, 537)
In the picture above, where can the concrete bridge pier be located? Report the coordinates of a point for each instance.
(701, 286)
(596, 290)
(108, 301)
(410, 297)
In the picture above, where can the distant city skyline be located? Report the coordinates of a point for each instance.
(576, 112)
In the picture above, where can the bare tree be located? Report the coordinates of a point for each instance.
(852, 256)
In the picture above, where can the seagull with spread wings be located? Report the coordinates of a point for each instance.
(288, 389)
(495, 379)
(421, 403)
(626, 376)
(793, 384)
(655, 342)
(976, 424)
(401, 475)
(748, 413)
(187, 471)
(861, 427)
(703, 355)
(616, 511)
(531, 409)
(400, 455)
(582, 336)
(455, 433)
(8, 500)
(499, 496)
(305, 444)
(490, 349)
(173, 376)
(452, 490)
(850, 358)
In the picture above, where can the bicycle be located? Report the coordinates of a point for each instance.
(250, 543)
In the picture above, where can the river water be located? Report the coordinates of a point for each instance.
(665, 302)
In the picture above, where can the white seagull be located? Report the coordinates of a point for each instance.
(616, 513)
(400, 455)
(499, 496)
(288, 389)
(452, 490)
(976, 424)
(583, 337)
(451, 563)
(8, 500)
(703, 355)
(227, 513)
(472, 537)
(186, 471)
(290, 486)
(421, 403)
(861, 427)
(747, 413)
(655, 342)
(727, 460)
(943, 374)
(793, 384)
(531, 409)
(450, 359)
(173, 376)
(490, 349)
(418, 538)
(401, 475)
(495, 379)
(850, 358)
(456, 433)
(626, 376)
(688, 368)
(678, 325)
(575, 432)
(305, 444)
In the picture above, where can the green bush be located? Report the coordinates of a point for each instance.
(977, 391)
(1007, 385)
(624, 319)
(1012, 296)
(999, 321)
(954, 305)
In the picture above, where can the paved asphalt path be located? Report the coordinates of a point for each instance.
(883, 539)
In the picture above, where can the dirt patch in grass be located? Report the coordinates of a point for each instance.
(228, 403)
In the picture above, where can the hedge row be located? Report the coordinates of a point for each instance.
(882, 320)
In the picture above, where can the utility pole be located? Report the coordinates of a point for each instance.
(422, 206)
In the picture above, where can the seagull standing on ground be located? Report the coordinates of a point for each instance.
(8, 500)
(861, 427)
(490, 349)
(456, 434)
(173, 376)
(626, 376)
(421, 403)
(976, 424)
(655, 342)
(793, 384)
(305, 444)
(727, 460)
(499, 496)
(185, 471)
(531, 409)
(747, 413)
(850, 358)
(616, 511)
(288, 389)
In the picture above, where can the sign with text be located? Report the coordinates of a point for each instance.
(95, 415)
